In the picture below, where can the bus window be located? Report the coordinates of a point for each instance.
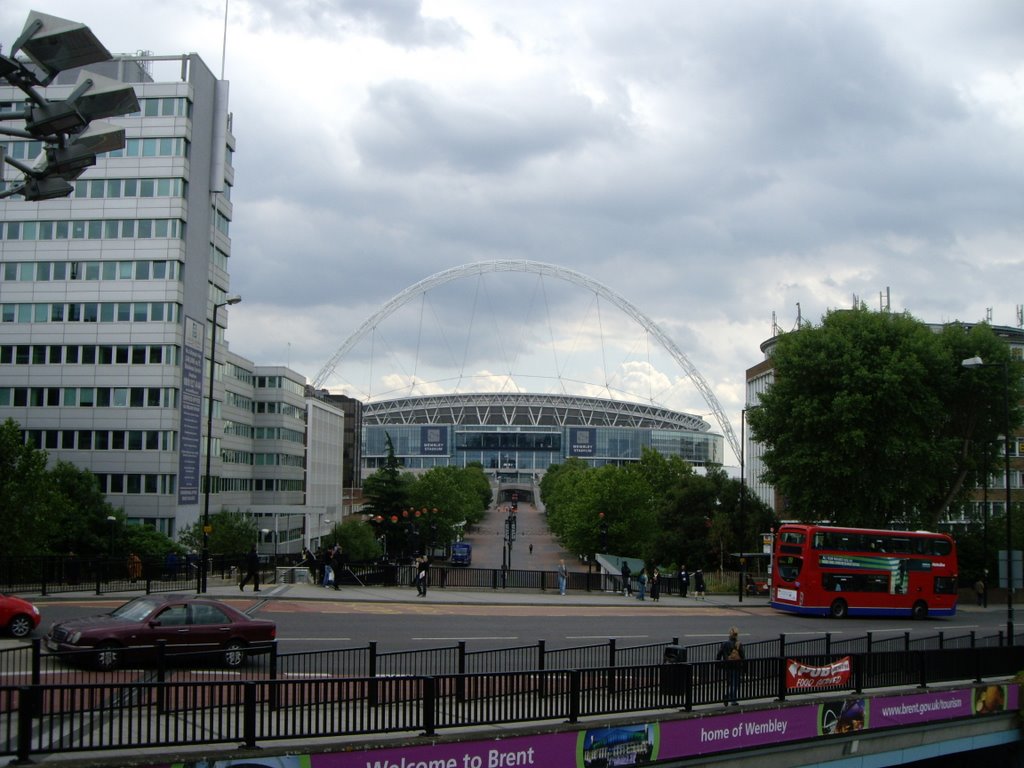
(945, 585)
(819, 541)
(789, 568)
(791, 537)
(941, 547)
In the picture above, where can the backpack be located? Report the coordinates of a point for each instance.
(734, 654)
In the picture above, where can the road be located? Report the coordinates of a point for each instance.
(332, 621)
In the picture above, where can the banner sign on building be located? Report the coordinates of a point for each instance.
(804, 676)
(191, 412)
(434, 441)
(582, 441)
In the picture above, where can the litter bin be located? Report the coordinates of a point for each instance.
(674, 671)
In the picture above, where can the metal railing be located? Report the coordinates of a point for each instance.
(106, 716)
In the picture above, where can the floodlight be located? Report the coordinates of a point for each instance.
(56, 44)
(94, 97)
(34, 190)
(70, 161)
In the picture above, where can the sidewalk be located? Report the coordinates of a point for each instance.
(436, 596)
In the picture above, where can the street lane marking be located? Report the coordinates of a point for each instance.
(483, 637)
(603, 637)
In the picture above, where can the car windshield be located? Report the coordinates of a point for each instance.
(136, 610)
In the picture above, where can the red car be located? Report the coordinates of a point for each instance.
(186, 622)
(18, 616)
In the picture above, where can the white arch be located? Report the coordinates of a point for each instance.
(539, 268)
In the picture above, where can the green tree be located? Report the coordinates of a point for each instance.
(872, 419)
(357, 539)
(26, 499)
(79, 517)
(231, 534)
(387, 490)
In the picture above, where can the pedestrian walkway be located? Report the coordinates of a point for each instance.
(533, 549)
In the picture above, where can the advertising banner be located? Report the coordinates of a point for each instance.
(191, 412)
(643, 743)
(803, 676)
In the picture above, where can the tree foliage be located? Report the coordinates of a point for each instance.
(658, 509)
(231, 533)
(58, 510)
(873, 421)
(357, 539)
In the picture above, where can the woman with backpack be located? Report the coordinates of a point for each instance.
(730, 653)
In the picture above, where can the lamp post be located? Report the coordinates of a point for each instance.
(111, 521)
(205, 554)
(976, 362)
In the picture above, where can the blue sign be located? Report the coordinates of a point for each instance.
(434, 441)
(582, 441)
(191, 412)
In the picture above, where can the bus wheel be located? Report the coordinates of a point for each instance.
(919, 611)
(838, 609)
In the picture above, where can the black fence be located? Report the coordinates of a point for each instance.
(30, 663)
(39, 719)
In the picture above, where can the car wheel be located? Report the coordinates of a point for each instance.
(234, 654)
(919, 611)
(20, 626)
(838, 609)
(108, 656)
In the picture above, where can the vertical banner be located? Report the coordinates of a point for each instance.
(191, 429)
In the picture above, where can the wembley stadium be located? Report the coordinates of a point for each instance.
(516, 436)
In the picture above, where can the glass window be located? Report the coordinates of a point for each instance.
(124, 312)
(142, 270)
(96, 188)
(131, 187)
(46, 230)
(84, 440)
(147, 187)
(89, 355)
(135, 440)
(117, 483)
(72, 354)
(106, 312)
(92, 270)
(113, 187)
(145, 228)
(141, 313)
(43, 270)
(60, 270)
(138, 355)
(163, 187)
(121, 354)
(117, 440)
(90, 312)
(149, 147)
(95, 230)
(103, 440)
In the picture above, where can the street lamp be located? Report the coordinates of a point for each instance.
(205, 555)
(976, 362)
(111, 521)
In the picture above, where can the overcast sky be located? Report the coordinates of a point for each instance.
(714, 164)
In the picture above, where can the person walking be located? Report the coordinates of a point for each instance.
(309, 562)
(684, 580)
(656, 585)
(422, 575)
(325, 560)
(698, 584)
(979, 592)
(627, 588)
(134, 567)
(641, 584)
(337, 564)
(563, 577)
(730, 653)
(252, 570)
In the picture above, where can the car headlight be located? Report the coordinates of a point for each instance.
(74, 637)
(35, 610)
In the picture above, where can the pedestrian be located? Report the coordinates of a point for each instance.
(531, 549)
(641, 584)
(337, 564)
(627, 588)
(684, 580)
(325, 560)
(309, 562)
(563, 577)
(134, 567)
(422, 575)
(979, 592)
(252, 570)
(698, 584)
(730, 653)
(656, 585)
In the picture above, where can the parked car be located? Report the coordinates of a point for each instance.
(19, 617)
(187, 623)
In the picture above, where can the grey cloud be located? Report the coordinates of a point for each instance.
(411, 127)
(399, 22)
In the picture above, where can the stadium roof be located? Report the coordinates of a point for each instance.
(514, 409)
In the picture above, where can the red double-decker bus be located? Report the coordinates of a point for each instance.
(821, 570)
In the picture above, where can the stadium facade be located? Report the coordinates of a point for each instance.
(517, 436)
